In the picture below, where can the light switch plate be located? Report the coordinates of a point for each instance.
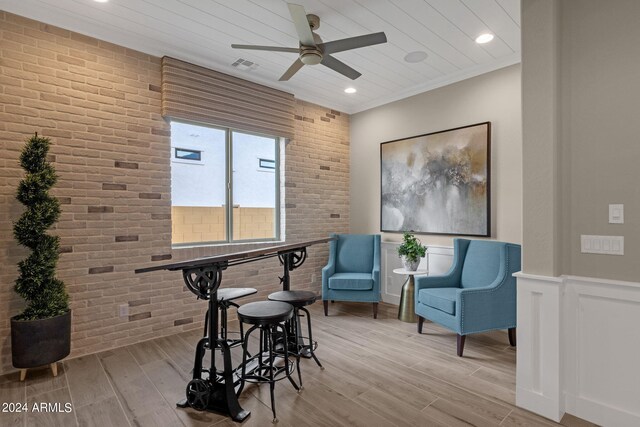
(605, 245)
(616, 214)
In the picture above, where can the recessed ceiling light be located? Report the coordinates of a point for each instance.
(100, 1)
(350, 90)
(416, 56)
(484, 38)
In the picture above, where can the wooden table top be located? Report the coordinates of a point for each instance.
(236, 256)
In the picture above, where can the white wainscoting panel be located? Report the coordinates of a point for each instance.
(538, 363)
(391, 283)
(578, 348)
(437, 260)
(603, 350)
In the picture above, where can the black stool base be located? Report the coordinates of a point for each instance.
(219, 408)
(299, 299)
(269, 318)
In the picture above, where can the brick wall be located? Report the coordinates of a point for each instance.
(254, 223)
(207, 224)
(100, 105)
(197, 224)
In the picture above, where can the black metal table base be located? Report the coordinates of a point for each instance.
(217, 409)
(212, 389)
(219, 392)
(219, 406)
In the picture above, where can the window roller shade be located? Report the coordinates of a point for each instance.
(198, 94)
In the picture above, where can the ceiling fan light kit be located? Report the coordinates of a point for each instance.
(310, 55)
(312, 50)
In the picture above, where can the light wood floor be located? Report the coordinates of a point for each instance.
(378, 373)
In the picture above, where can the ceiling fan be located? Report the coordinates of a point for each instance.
(313, 50)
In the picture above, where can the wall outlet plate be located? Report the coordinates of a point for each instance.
(124, 310)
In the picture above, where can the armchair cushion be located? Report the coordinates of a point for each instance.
(443, 299)
(355, 253)
(351, 281)
(481, 264)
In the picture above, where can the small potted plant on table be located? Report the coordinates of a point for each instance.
(410, 251)
(41, 334)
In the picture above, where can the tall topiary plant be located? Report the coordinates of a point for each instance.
(44, 293)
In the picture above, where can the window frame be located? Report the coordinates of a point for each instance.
(199, 152)
(261, 167)
(229, 188)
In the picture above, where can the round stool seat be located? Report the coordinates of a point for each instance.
(265, 312)
(228, 294)
(295, 298)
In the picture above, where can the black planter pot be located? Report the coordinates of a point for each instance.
(40, 342)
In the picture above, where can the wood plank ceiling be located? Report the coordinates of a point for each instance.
(201, 31)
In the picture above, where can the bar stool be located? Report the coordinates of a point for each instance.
(269, 318)
(225, 298)
(299, 299)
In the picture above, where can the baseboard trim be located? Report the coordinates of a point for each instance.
(600, 413)
(539, 404)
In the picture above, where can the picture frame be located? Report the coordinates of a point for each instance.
(438, 183)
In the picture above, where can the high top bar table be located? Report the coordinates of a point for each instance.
(219, 390)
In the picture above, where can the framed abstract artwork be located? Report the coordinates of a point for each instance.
(438, 183)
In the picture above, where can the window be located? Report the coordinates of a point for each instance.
(222, 197)
(184, 154)
(266, 164)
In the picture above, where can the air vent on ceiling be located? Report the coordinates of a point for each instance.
(244, 65)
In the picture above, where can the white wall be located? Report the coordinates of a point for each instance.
(253, 187)
(493, 97)
(198, 183)
(202, 183)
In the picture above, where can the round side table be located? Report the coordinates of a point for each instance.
(407, 309)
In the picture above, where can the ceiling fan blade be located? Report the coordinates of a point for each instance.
(340, 67)
(291, 71)
(269, 48)
(299, 17)
(352, 43)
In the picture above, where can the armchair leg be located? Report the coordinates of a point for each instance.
(325, 303)
(461, 339)
(375, 310)
(420, 322)
(512, 337)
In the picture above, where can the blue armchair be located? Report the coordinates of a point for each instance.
(477, 294)
(353, 271)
